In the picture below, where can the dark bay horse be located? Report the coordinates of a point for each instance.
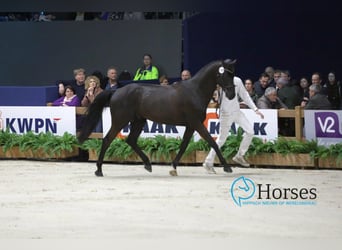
(183, 103)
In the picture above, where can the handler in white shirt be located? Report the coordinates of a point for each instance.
(230, 112)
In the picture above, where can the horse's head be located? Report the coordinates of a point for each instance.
(226, 77)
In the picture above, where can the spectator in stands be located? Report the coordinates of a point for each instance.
(216, 95)
(304, 84)
(261, 85)
(291, 97)
(316, 78)
(185, 75)
(130, 15)
(269, 70)
(270, 100)
(276, 76)
(147, 71)
(317, 100)
(287, 93)
(112, 79)
(69, 98)
(77, 83)
(111, 16)
(102, 78)
(250, 89)
(92, 89)
(333, 90)
(163, 80)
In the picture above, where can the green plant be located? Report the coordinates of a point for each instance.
(92, 144)
(284, 146)
(54, 145)
(259, 146)
(232, 144)
(119, 148)
(200, 145)
(9, 140)
(48, 142)
(334, 150)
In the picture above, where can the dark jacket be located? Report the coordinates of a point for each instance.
(318, 101)
(265, 103)
(290, 96)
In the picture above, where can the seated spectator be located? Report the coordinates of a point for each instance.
(261, 85)
(112, 79)
(133, 16)
(316, 78)
(270, 100)
(69, 98)
(125, 76)
(77, 83)
(250, 89)
(333, 90)
(102, 78)
(288, 93)
(147, 71)
(111, 16)
(276, 76)
(270, 72)
(317, 100)
(92, 89)
(185, 75)
(163, 80)
(304, 85)
(216, 95)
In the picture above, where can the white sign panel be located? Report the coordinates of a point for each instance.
(266, 128)
(57, 120)
(325, 126)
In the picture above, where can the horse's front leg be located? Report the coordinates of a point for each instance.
(136, 128)
(105, 144)
(201, 129)
(186, 138)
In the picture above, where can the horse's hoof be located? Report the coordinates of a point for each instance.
(98, 173)
(148, 168)
(227, 169)
(173, 172)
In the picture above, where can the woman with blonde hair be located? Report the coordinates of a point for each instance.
(92, 89)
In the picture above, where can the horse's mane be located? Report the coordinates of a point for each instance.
(204, 69)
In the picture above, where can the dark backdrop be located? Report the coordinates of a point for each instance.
(41, 53)
(300, 41)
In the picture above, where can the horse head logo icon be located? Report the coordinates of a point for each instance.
(242, 188)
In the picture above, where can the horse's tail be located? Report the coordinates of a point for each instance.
(94, 114)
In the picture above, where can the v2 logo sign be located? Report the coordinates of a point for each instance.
(327, 125)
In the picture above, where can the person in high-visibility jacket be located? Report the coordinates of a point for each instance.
(147, 71)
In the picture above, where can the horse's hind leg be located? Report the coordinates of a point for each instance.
(107, 140)
(186, 138)
(135, 131)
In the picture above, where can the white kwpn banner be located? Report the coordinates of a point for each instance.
(266, 129)
(20, 120)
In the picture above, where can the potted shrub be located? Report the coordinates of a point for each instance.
(9, 145)
(330, 157)
(41, 146)
(49, 146)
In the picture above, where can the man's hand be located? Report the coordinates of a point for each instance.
(259, 113)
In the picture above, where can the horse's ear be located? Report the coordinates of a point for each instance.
(229, 61)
